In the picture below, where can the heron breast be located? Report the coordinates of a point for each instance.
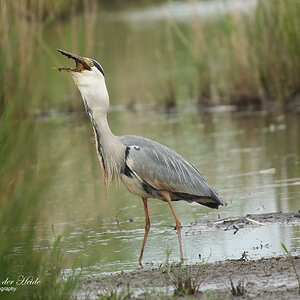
(134, 186)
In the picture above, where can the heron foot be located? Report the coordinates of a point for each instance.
(141, 265)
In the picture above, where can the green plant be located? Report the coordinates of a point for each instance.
(55, 283)
(184, 281)
(115, 294)
(25, 178)
(292, 260)
(239, 289)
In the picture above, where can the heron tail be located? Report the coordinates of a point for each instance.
(212, 201)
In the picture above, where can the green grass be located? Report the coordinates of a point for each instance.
(183, 281)
(115, 294)
(25, 178)
(292, 260)
(247, 60)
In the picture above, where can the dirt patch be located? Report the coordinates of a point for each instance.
(266, 278)
(250, 220)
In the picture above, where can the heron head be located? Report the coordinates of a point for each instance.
(88, 75)
(84, 65)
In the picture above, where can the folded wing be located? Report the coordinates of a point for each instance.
(164, 169)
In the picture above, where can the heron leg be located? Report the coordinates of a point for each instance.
(167, 197)
(147, 228)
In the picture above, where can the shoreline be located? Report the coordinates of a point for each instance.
(265, 278)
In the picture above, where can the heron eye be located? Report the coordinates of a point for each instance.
(91, 64)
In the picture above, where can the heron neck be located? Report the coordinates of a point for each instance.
(100, 120)
(109, 148)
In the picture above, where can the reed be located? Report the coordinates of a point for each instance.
(243, 59)
(25, 173)
(249, 59)
(30, 31)
(25, 178)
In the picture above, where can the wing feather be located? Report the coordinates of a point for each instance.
(162, 168)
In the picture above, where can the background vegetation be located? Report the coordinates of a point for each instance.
(235, 58)
(248, 60)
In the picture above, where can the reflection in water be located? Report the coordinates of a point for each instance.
(182, 11)
(247, 159)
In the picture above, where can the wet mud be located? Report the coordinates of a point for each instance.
(265, 278)
(251, 220)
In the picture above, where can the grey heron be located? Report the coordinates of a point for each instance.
(147, 169)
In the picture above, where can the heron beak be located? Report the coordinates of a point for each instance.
(81, 62)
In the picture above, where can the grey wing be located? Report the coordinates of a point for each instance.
(164, 169)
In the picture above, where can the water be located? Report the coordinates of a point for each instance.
(182, 11)
(246, 158)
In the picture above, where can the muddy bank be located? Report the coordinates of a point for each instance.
(266, 278)
(251, 220)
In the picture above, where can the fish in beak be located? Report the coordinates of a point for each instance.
(82, 63)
